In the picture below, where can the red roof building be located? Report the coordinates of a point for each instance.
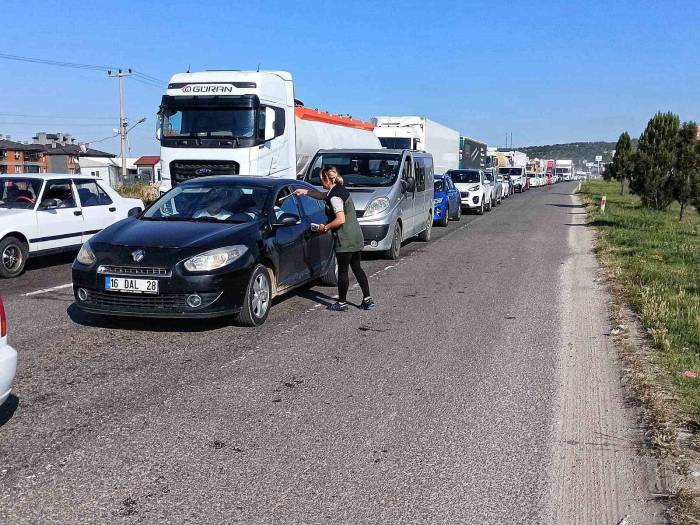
(148, 168)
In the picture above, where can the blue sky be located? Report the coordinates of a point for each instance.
(546, 71)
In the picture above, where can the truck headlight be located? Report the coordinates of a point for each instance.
(474, 188)
(438, 200)
(376, 206)
(86, 256)
(215, 259)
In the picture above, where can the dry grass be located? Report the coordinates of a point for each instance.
(146, 192)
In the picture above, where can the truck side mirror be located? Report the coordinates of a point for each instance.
(269, 124)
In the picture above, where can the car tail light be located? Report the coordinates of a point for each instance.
(3, 320)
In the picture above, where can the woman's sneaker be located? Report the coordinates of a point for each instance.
(367, 303)
(338, 307)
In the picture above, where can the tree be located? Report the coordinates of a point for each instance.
(686, 173)
(621, 166)
(654, 161)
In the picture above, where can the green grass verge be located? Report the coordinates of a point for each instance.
(656, 260)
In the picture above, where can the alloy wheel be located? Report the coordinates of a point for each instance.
(261, 295)
(11, 258)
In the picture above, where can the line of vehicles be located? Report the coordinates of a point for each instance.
(228, 234)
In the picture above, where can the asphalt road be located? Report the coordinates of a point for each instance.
(440, 406)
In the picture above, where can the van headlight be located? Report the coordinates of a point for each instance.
(376, 206)
(474, 188)
(215, 259)
(86, 256)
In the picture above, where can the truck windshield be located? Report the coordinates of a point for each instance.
(464, 176)
(395, 142)
(208, 122)
(517, 172)
(19, 193)
(358, 169)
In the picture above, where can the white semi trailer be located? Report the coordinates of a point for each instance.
(246, 123)
(564, 169)
(420, 133)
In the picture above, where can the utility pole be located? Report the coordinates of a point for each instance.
(120, 74)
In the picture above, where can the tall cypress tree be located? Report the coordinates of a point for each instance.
(654, 161)
(686, 173)
(621, 166)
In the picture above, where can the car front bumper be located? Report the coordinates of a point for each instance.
(8, 367)
(221, 294)
(470, 199)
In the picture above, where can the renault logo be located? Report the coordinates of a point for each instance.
(202, 171)
(138, 255)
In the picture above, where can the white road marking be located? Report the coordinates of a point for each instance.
(47, 290)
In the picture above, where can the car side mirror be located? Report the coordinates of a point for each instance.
(287, 219)
(409, 184)
(269, 124)
(134, 212)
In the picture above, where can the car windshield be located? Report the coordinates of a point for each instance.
(234, 203)
(19, 193)
(358, 169)
(464, 176)
(439, 185)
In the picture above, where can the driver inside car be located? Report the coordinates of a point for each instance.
(213, 205)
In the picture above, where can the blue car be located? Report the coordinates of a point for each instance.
(447, 201)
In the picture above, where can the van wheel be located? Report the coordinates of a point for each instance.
(258, 298)
(394, 252)
(424, 236)
(13, 257)
(331, 276)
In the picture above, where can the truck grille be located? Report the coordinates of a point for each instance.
(183, 170)
(136, 271)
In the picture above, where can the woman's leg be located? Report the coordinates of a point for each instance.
(343, 279)
(356, 265)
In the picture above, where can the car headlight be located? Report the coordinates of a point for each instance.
(438, 200)
(474, 188)
(86, 256)
(214, 259)
(376, 206)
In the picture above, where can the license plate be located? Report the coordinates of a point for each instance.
(124, 284)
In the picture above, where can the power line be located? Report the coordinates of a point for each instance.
(23, 115)
(57, 63)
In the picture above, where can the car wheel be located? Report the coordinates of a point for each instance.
(331, 276)
(258, 298)
(13, 257)
(458, 215)
(480, 211)
(394, 252)
(445, 218)
(424, 236)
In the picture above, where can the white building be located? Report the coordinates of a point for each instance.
(107, 169)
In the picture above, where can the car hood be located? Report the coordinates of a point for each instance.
(464, 186)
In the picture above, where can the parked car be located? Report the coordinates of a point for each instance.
(392, 190)
(517, 176)
(505, 186)
(46, 213)
(475, 192)
(496, 188)
(447, 201)
(8, 358)
(532, 180)
(211, 247)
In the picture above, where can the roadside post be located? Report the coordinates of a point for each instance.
(603, 202)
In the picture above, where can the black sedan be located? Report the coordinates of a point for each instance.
(211, 247)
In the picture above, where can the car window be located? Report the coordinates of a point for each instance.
(58, 194)
(19, 193)
(285, 202)
(90, 194)
(310, 205)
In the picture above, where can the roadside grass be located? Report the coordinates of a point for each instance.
(655, 260)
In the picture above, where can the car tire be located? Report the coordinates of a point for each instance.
(394, 252)
(330, 278)
(424, 236)
(258, 298)
(445, 218)
(480, 211)
(13, 257)
(458, 215)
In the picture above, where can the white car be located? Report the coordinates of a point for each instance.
(8, 359)
(46, 213)
(474, 189)
(505, 187)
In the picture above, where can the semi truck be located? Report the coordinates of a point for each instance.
(420, 133)
(472, 154)
(564, 169)
(246, 123)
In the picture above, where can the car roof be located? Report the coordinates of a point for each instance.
(49, 176)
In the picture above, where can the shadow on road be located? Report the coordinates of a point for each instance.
(46, 261)
(565, 205)
(8, 408)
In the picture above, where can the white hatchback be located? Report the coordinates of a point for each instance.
(8, 359)
(47, 213)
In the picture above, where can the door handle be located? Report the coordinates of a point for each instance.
(112, 209)
(77, 213)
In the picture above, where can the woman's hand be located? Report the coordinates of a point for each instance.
(323, 228)
(301, 191)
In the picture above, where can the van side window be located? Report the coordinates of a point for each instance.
(406, 171)
(419, 169)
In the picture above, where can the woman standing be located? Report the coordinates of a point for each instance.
(347, 233)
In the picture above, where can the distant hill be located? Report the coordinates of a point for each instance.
(576, 151)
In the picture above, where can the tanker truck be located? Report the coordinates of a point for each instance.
(246, 123)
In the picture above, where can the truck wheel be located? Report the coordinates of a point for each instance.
(424, 236)
(258, 298)
(331, 276)
(394, 252)
(13, 257)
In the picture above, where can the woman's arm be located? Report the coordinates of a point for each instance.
(319, 195)
(335, 223)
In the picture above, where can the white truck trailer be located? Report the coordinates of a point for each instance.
(246, 123)
(564, 169)
(420, 133)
